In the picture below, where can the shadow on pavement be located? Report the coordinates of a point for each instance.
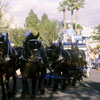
(88, 90)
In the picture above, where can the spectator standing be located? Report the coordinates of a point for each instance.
(99, 61)
(96, 59)
(92, 58)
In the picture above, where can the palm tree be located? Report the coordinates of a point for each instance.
(62, 7)
(79, 4)
(71, 7)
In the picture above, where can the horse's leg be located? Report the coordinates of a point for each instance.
(3, 88)
(55, 86)
(34, 81)
(8, 90)
(14, 84)
(42, 81)
(14, 77)
(56, 80)
(25, 86)
(41, 86)
(80, 76)
(74, 81)
(63, 87)
(68, 78)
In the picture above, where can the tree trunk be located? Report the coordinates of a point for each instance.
(64, 19)
(76, 21)
(72, 18)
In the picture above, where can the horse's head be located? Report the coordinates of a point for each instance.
(18, 51)
(32, 49)
(53, 52)
(30, 36)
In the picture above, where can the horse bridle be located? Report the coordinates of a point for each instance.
(33, 50)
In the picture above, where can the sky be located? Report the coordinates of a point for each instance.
(19, 10)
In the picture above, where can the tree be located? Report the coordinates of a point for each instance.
(44, 17)
(62, 7)
(79, 4)
(17, 35)
(47, 29)
(79, 28)
(71, 7)
(97, 33)
(4, 23)
(32, 21)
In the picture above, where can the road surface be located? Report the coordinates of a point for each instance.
(89, 89)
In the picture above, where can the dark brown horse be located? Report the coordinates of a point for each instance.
(33, 66)
(2, 50)
(8, 66)
(57, 63)
(70, 66)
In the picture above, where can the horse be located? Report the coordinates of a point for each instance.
(33, 66)
(70, 66)
(78, 62)
(2, 58)
(8, 67)
(58, 64)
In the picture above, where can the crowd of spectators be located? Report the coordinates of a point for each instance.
(95, 58)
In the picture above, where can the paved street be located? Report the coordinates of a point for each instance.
(87, 90)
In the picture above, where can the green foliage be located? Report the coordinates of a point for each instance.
(32, 21)
(44, 17)
(63, 5)
(48, 30)
(4, 23)
(97, 33)
(46, 27)
(71, 5)
(17, 35)
(97, 47)
(78, 26)
(79, 4)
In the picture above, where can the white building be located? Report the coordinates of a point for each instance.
(88, 33)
